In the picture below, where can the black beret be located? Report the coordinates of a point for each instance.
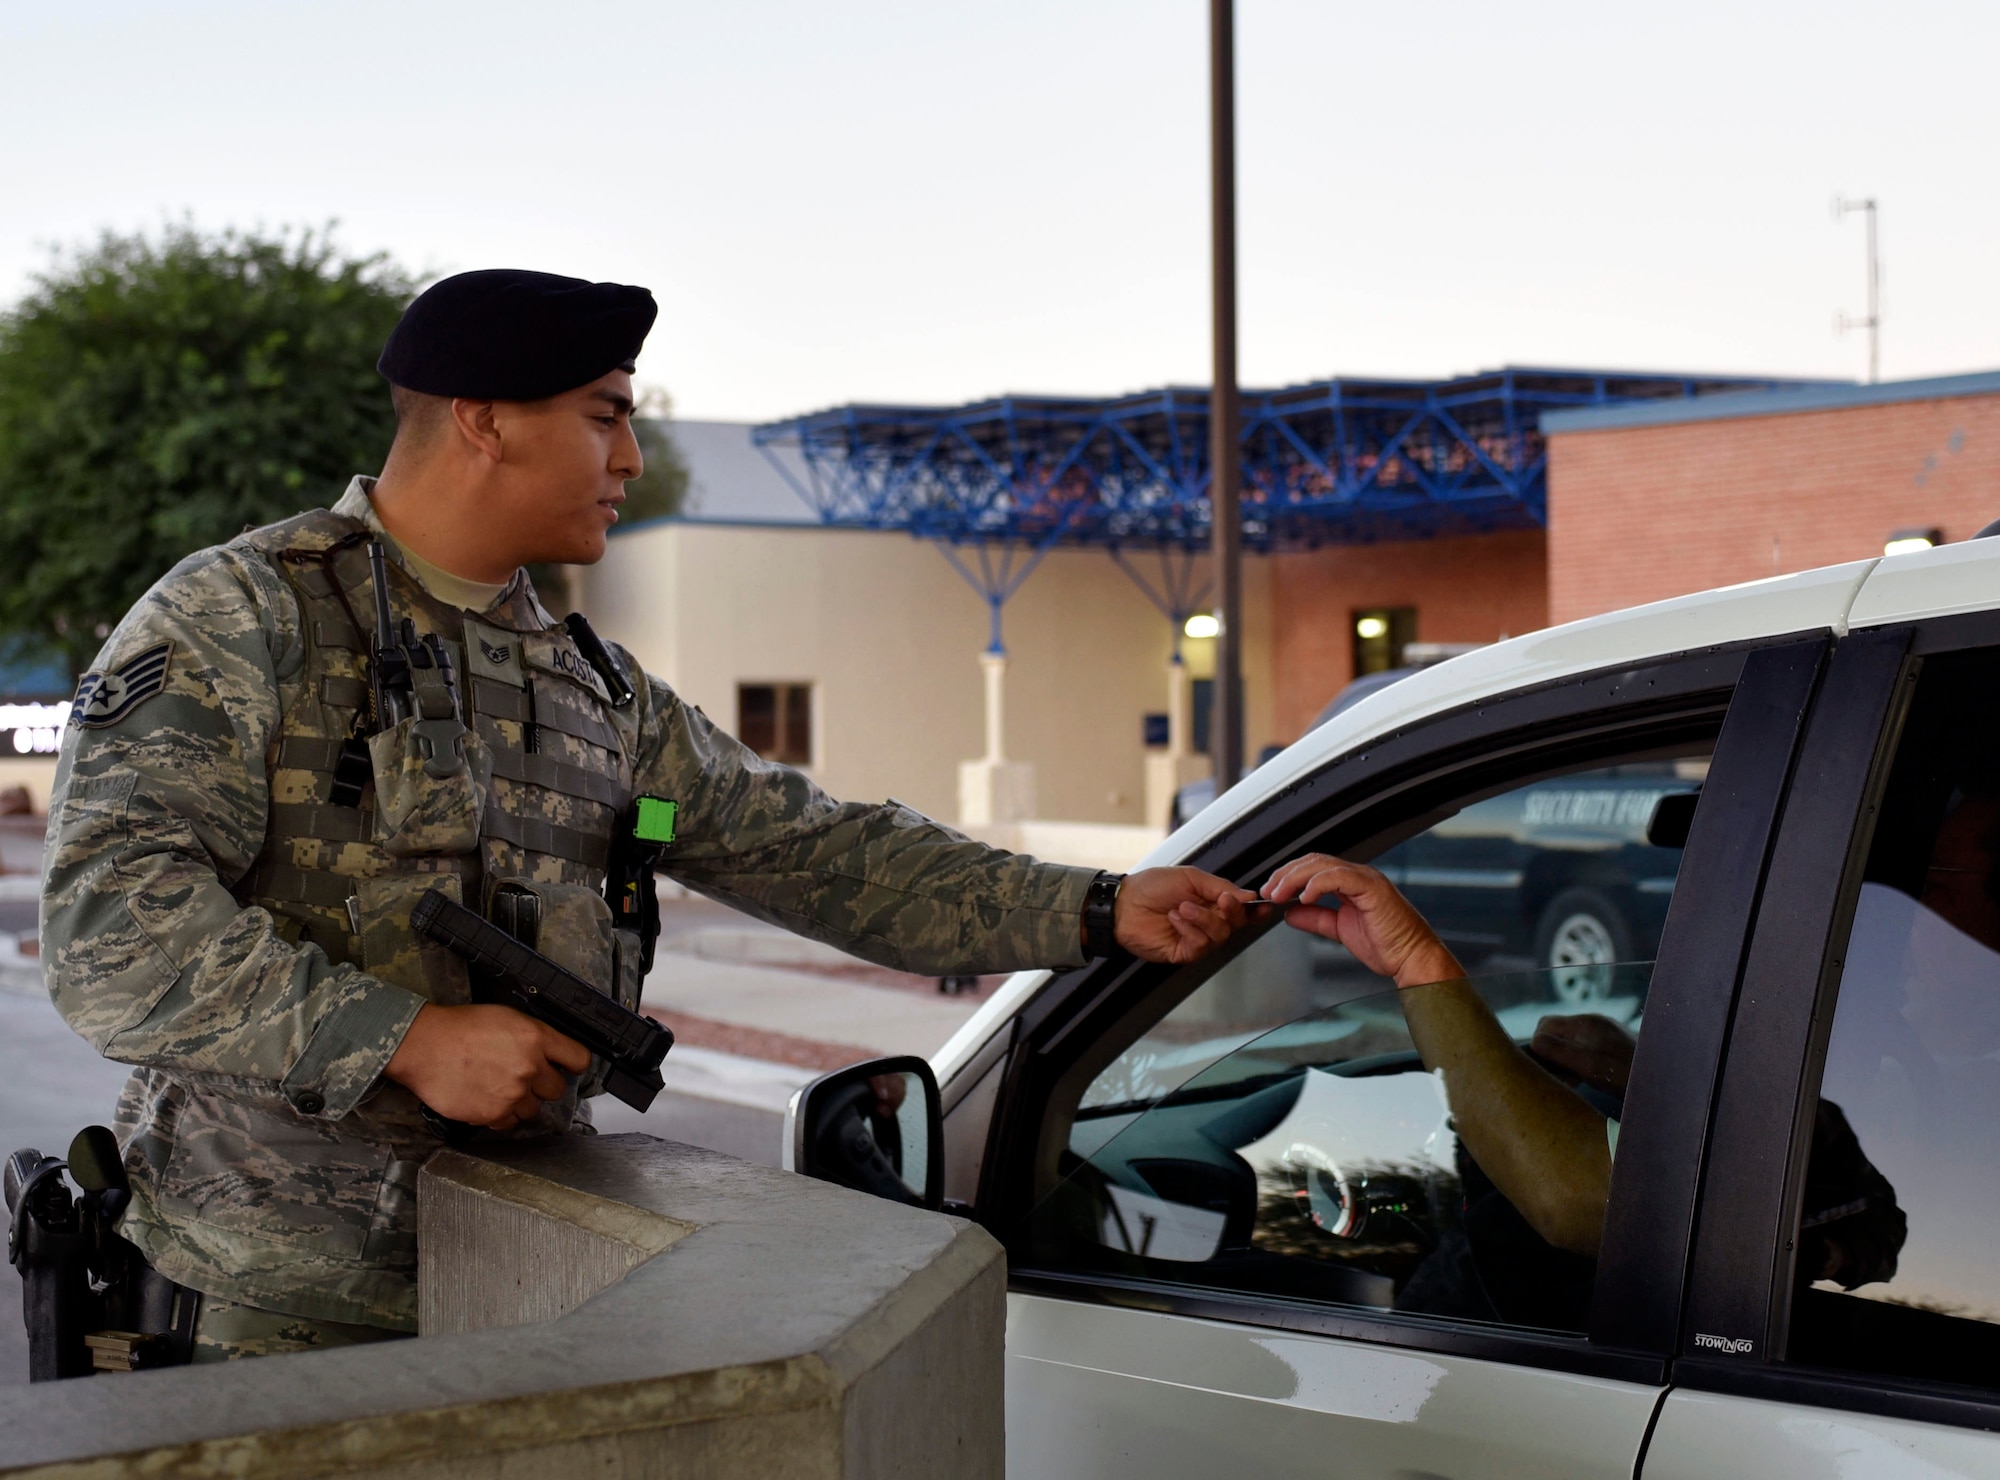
(508, 335)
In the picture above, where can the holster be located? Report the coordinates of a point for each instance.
(90, 1301)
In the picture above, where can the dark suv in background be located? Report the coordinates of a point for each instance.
(1557, 875)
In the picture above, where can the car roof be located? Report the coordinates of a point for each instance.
(1864, 593)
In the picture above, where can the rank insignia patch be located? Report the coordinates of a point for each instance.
(106, 698)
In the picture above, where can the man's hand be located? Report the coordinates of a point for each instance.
(1176, 915)
(485, 1064)
(1365, 913)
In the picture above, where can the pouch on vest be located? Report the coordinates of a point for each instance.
(628, 950)
(572, 927)
(392, 951)
(417, 813)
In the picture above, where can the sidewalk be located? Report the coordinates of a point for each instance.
(775, 1012)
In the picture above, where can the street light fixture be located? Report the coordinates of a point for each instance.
(1910, 541)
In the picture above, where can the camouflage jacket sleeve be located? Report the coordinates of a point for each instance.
(160, 803)
(881, 881)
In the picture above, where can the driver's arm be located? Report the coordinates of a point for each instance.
(1542, 1145)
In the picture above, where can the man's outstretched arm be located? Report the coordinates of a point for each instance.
(884, 882)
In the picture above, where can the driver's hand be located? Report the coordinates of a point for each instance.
(1353, 904)
(1588, 1045)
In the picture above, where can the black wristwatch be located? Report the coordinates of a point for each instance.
(1100, 916)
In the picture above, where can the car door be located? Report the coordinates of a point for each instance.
(1169, 1152)
(1844, 1307)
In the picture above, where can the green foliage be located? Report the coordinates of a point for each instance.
(662, 488)
(157, 396)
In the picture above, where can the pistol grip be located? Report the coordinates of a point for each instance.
(451, 1132)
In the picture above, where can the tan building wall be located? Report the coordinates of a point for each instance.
(890, 636)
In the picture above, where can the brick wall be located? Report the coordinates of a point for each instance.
(1464, 590)
(1642, 513)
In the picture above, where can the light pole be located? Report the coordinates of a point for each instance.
(1226, 718)
(1873, 322)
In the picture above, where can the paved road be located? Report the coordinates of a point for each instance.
(52, 1084)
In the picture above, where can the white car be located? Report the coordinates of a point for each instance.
(1243, 1238)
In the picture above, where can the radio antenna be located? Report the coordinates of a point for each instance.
(1843, 207)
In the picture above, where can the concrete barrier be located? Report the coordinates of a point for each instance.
(615, 1306)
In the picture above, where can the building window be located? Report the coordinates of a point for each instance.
(775, 720)
(1380, 635)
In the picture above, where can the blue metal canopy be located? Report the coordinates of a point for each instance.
(1342, 461)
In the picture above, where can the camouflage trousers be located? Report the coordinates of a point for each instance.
(226, 1330)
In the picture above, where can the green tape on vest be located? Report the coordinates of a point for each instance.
(654, 820)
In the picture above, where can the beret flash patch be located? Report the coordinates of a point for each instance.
(104, 698)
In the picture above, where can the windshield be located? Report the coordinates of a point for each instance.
(1322, 1160)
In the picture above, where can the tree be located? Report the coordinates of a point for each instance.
(662, 488)
(159, 396)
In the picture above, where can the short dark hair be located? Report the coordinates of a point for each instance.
(419, 418)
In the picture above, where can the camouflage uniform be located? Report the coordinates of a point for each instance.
(226, 1332)
(211, 916)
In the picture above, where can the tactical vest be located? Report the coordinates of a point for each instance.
(548, 773)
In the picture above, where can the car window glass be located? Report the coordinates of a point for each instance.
(1898, 1268)
(1556, 874)
(1320, 1160)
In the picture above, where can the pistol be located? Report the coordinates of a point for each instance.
(506, 972)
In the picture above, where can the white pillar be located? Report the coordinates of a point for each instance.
(994, 791)
(1167, 771)
(1180, 727)
(995, 665)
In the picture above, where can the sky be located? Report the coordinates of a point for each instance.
(931, 202)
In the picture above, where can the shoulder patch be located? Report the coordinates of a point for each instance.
(104, 698)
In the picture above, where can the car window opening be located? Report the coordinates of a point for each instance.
(1277, 1131)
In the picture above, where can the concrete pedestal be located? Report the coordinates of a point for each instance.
(687, 1314)
(1166, 774)
(995, 792)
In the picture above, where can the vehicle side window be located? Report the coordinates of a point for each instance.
(1279, 1132)
(1898, 1268)
(1557, 875)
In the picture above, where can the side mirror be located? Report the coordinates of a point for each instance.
(873, 1126)
(1673, 815)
